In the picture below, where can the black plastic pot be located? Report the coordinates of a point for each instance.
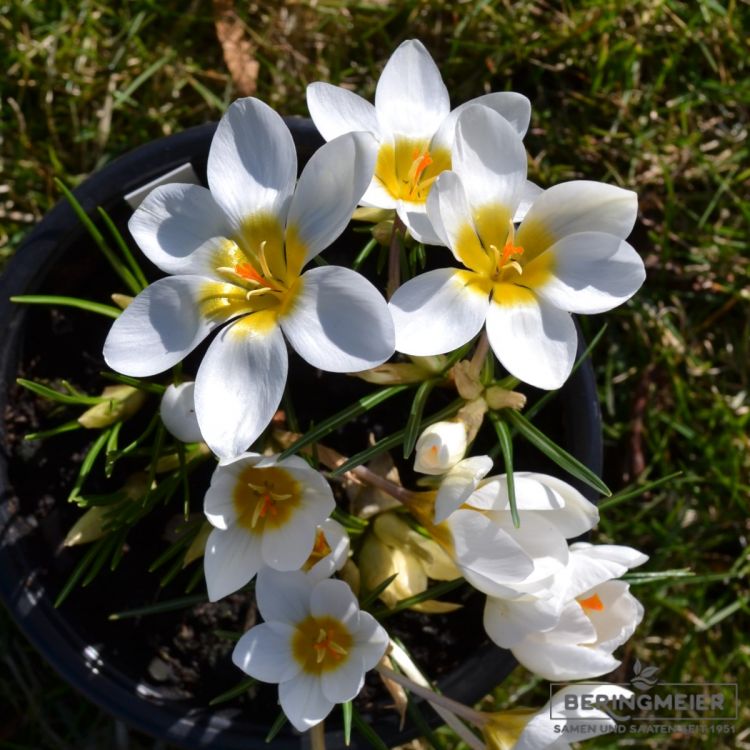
(70, 638)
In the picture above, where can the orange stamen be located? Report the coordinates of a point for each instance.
(246, 271)
(268, 507)
(321, 546)
(593, 602)
(509, 251)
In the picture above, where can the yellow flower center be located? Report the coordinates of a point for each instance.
(320, 550)
(408, 169)
(321, 644)
(265, 497)
(260, 268)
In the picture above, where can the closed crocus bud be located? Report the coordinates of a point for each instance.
(122, 402)
(396, 549)
(440, 447)
(177, 411)
(88, 528)
(122, 300)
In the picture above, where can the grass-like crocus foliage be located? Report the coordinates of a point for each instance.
(568, 255)
(235, 254)
(314, 641)
(414, 126)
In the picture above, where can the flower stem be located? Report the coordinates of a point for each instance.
(318, 737)
(394, 256)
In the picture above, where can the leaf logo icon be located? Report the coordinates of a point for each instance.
(644, 678)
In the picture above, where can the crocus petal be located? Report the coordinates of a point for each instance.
(533, 340)
(331, 598)
(239, 384)
(252, 163)
(490, 158)
(283, 596)
(344, 683)
(370, 640)
(507, 622)
(531, 494)
(437, 312)
(591, 565)
(561, 653)
(620, 615)
(303, 701)
(591, 272)
(515, 108)
(232, 558)
(336, 111)
(287, 547)
(175, 221)
(160, 327)
(338, 540)
(177, 411)
(218, 502)
(265, 652)
(459, 483)
(411, 98)
(488, 558)
(529, 193)
(339, 322)
(328, 191)
(451, 215)
(578, 516)
(576, 206)
(418, 222)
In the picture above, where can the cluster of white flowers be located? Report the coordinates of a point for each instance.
(235, 255)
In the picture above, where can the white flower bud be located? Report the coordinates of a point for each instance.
(441, 446)
(178, 412)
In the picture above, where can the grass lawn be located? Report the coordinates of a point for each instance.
(652, 95)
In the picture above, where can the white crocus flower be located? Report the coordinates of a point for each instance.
(315, 642)
(595, 620)
(236, 253)
(177, 411)
(265, 512)
(569, 716)
(508, 562)
(330, 551)
(414, 126)
(569, 255)
(508, 621)
(440, 447)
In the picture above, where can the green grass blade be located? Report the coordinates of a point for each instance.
(629, 493)
(276, 727)
(394, 440)
(554, 452)
(353, 410)
(364, 254)
(171, 605)
(59, 430)
(367, 732)
(79, 570)
(108, 311)
(242, 687)
(124, 249)
(431, 593)
(88, 464)
(141, 385)
(346, 713)
(506, 447)
(63, 398)
(377, 591)
(411, 431)
(118, 266)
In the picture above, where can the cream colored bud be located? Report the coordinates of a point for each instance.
(382, 232)
(88, 528)
(123, 401)
(372, 214)
(471, 415)
(394, 374)
(350, 574)
(122, 300)
(434, 364)
(499, 398)
(441, 446)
